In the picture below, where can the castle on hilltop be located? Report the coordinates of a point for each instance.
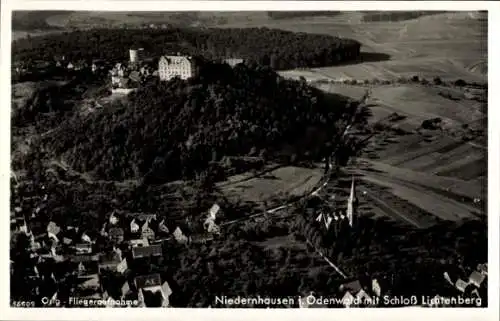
(176, 66)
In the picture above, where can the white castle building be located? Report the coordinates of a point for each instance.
(176, 66)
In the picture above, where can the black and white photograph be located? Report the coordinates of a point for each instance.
(265, 159)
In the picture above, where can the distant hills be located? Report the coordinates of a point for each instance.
(53, 20)
(34, 20)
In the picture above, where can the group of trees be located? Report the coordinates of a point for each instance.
(277, 48)
(174, 130)
(53, 103)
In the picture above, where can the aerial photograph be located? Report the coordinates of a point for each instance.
(249, 159)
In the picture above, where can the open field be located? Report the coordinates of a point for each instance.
(448, 45)
(416, 102)
(284, 181)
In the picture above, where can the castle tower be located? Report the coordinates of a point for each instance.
(136, 55)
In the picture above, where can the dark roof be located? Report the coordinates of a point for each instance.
(143, 281)
(135, 76)
(83, 246)
(147, 251)
(84, 258)
(141, 216)
(116, 231)
(353, 286)
(152, 298)
(110, 257)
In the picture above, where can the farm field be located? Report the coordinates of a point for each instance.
(283, 181)
(433, 173)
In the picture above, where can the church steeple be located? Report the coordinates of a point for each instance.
(351, 203)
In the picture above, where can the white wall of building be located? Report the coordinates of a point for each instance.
(175, 66)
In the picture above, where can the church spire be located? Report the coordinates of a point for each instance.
(351, 203)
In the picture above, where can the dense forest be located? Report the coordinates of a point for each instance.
(277, 48)
(174, 130)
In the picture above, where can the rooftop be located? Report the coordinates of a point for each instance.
(144, 281)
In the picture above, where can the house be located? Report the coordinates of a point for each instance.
(85, 238)
(348, 299)
(209, 224)
(116, 234)
(125, 289)
(154, 250)
(147, 280)
(147, 232)
(83, 258)
(86, 265)
(355, 294)
(483, 268)
(461, 285)
(476, 278)
(376, 288)
(152, 292)
(176, 66)
(233, 61)
(110, 261)
(139, 243)
(179, 236)
(122, 267)
(162, 228)
(142, 216)
(53, 231)
(83, 248)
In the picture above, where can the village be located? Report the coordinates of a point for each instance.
(128, 243)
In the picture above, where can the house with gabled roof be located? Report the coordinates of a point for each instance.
(147, 232)
(139, 243)
(83, 248)
(153, 250)
(152, 291)
(355, 294)
(179, 236)
(476, 278)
